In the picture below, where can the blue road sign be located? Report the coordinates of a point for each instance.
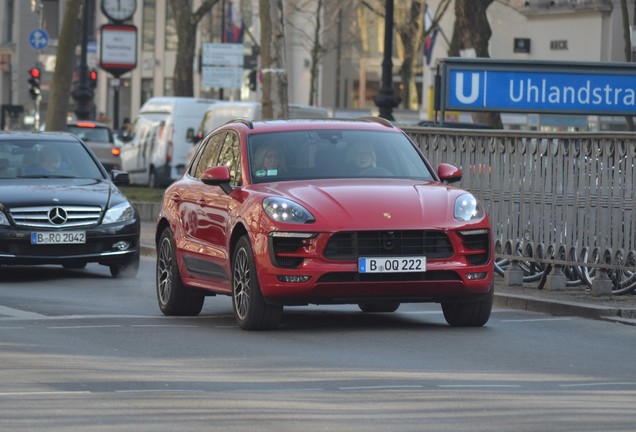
(550, 87)
(39, 39)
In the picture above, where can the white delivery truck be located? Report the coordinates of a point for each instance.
(222, 112)
(157, 150)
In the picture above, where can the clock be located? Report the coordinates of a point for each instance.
(119, 10)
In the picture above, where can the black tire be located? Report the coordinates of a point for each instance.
(175, 299)
(152, 179)
(127, 270)
(472, 314)
(251, 311)
(379, 307)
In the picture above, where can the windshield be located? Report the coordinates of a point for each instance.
(95, 134)
(324, 154)
(46, 159)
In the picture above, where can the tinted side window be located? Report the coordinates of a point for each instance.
(208, 154)
(231, 157)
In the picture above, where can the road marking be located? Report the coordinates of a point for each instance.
(479, 385)
(83, 327)
(380, 387)
(599, 384)
(538, 319)
(43, 393)
(17, 313)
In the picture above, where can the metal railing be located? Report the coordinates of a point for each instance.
(561, 204)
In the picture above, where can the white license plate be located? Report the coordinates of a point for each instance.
(391, 264)
(52, 237)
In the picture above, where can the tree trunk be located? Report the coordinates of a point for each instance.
(186, 25)
(315, 55)
(57, 109)
(410, 27)
(472, 31)
(273, 67)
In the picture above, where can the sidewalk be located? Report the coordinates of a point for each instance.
(570, 302)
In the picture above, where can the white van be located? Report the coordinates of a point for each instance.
(222, 112)
(156, 152)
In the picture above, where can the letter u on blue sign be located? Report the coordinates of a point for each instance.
(467, 88)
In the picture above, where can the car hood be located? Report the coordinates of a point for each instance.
(34, 192)
(373, 203)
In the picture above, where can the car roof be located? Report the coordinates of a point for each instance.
(278, 125)
(37, 135)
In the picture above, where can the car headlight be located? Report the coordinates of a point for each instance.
(3, 219)
(119, 213)
(284, 210)
(467, 208)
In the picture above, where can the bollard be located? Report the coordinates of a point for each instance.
(513, 276)
(602, 284)
(556, 281)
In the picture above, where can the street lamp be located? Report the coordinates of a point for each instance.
(386, 100)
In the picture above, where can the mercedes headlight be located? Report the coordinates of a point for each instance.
(284, 210)
(119, 213)
(468, 208)
(3, 218)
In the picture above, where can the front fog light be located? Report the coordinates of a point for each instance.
(122, 245)
(293, 279)
(476, 276)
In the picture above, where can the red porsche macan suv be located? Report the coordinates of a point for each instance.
(294, 212)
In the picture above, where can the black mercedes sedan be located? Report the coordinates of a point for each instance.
(58, 205)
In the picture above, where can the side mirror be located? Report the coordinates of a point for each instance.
(120, 178)
(190, 136)
(449, 173)
(218, 176)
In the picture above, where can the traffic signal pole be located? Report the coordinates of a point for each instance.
(83, 94)
(36, 94)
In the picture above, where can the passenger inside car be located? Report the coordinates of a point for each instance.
(362, 156)
(269, 161)
(48, 161)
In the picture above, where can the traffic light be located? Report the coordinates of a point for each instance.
(34, 81)
(252, 80)
(92, 78)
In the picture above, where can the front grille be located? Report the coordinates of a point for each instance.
(71, 216)
(284, 250)
(477, 246)
(435, 275)
(351, 245)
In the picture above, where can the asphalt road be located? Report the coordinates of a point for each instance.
(81, 351)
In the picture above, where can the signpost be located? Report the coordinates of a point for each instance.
(118, 55)
(538, 87)
(222, 65)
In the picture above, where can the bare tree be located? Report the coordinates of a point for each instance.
(273, 66)
(186, 25)
(57, 108)
(409, 26)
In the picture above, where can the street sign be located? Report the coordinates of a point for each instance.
(538, 87)
(39, 39)
(222, 54)
(222, 77)
(118, 53)
(222, 65)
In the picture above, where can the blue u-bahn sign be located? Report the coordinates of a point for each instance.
(538, 87)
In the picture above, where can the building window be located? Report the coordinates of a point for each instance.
(148, 25)
(168, 87)
(171, 29)
(146, 89)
